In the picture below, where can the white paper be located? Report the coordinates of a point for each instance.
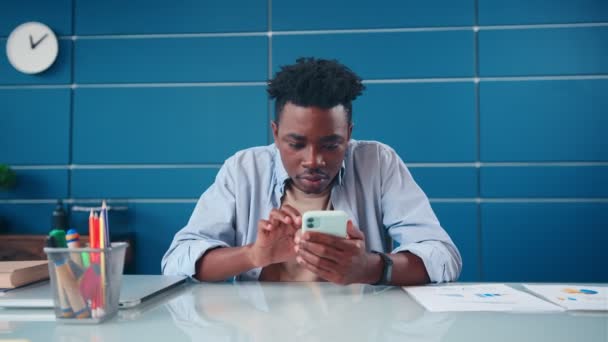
(478, 297)
(574, 297)
(31, 315)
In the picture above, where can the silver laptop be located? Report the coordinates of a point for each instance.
(135, 289)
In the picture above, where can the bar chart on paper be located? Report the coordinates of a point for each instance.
(486, 297)
(574, 297)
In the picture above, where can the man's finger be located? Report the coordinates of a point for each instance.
(297, 236)
(265, 228)
(353, 232)
(308, 259)
(264, 224)
(321, 272)
(350, 246)
(322, 238)
(317, 260)
(279, 216)
(323, 251)
(338, 243)
(295, 215)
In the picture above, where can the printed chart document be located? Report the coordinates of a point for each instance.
(574, 297)
(478, 297)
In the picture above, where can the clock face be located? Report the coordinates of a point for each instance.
(32, 48)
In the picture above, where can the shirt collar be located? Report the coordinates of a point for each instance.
(281, 177)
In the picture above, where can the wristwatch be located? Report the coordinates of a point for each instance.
(387, 270)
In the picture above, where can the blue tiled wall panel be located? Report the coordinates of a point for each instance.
(20, 218)
(423, 122)
(460, 222)
(188, 59)
(103, 121)
(544, 120)
(559, 51)
(167, 125)
(37, 184)
(363, 14)
(141, 183)
(154, 226)
(499, 12)
(121, 220)
(56, 14)
(121, 224)
(545, 181)
(446, 182)
(58, 73)
(159, 16)
(546, 242)
(384, 55)
(35, 126)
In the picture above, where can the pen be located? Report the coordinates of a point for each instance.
(64, 306)
(73, 241)
(104, 210)
(95, 257)
(102, 244)
(94, 236)
(89, 257)
(58, 236)
(67, 279)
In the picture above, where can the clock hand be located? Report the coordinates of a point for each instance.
(32, 42)
(39, 40)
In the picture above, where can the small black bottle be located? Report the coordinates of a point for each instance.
(60, 218)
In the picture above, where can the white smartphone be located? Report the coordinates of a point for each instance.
(331, 222)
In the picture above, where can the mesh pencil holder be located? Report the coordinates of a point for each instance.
(86, 282)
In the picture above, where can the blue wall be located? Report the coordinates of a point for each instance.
(500, 109)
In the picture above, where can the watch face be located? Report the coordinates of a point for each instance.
(32, 48)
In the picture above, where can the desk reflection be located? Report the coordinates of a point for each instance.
(303, 312)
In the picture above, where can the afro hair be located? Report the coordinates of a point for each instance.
(315, 82)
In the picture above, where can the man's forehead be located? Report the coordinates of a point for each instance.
(314, 116)
(291, 108)
(330, 137)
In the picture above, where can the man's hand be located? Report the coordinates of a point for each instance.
(338, 260)
(275, 241)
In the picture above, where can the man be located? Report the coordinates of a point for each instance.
(247, 224)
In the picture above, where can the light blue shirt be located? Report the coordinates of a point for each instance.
(374, 187)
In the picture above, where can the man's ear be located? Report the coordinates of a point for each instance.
(350, 131)
(275, 130)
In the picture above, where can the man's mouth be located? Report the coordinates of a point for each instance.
(314, 178)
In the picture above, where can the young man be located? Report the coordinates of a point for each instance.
(247, 224)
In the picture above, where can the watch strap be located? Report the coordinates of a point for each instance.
(387, 269)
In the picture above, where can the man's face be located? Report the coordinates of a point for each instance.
(312, 142)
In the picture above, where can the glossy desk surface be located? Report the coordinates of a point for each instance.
(301, 312)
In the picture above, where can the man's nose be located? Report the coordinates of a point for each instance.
(313, 159)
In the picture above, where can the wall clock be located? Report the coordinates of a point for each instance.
(32, 47)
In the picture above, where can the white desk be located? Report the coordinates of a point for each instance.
(301, 312)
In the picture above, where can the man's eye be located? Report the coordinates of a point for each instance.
(296, 146)
(330, 147)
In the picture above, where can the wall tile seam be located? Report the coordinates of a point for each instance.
(411, 165)
(333, 31)
(263, 83)
(477, 200)
(330, 31)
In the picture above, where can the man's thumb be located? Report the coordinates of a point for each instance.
(353, 232)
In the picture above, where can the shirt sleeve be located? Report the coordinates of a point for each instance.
(411, 222)
(211, 225)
